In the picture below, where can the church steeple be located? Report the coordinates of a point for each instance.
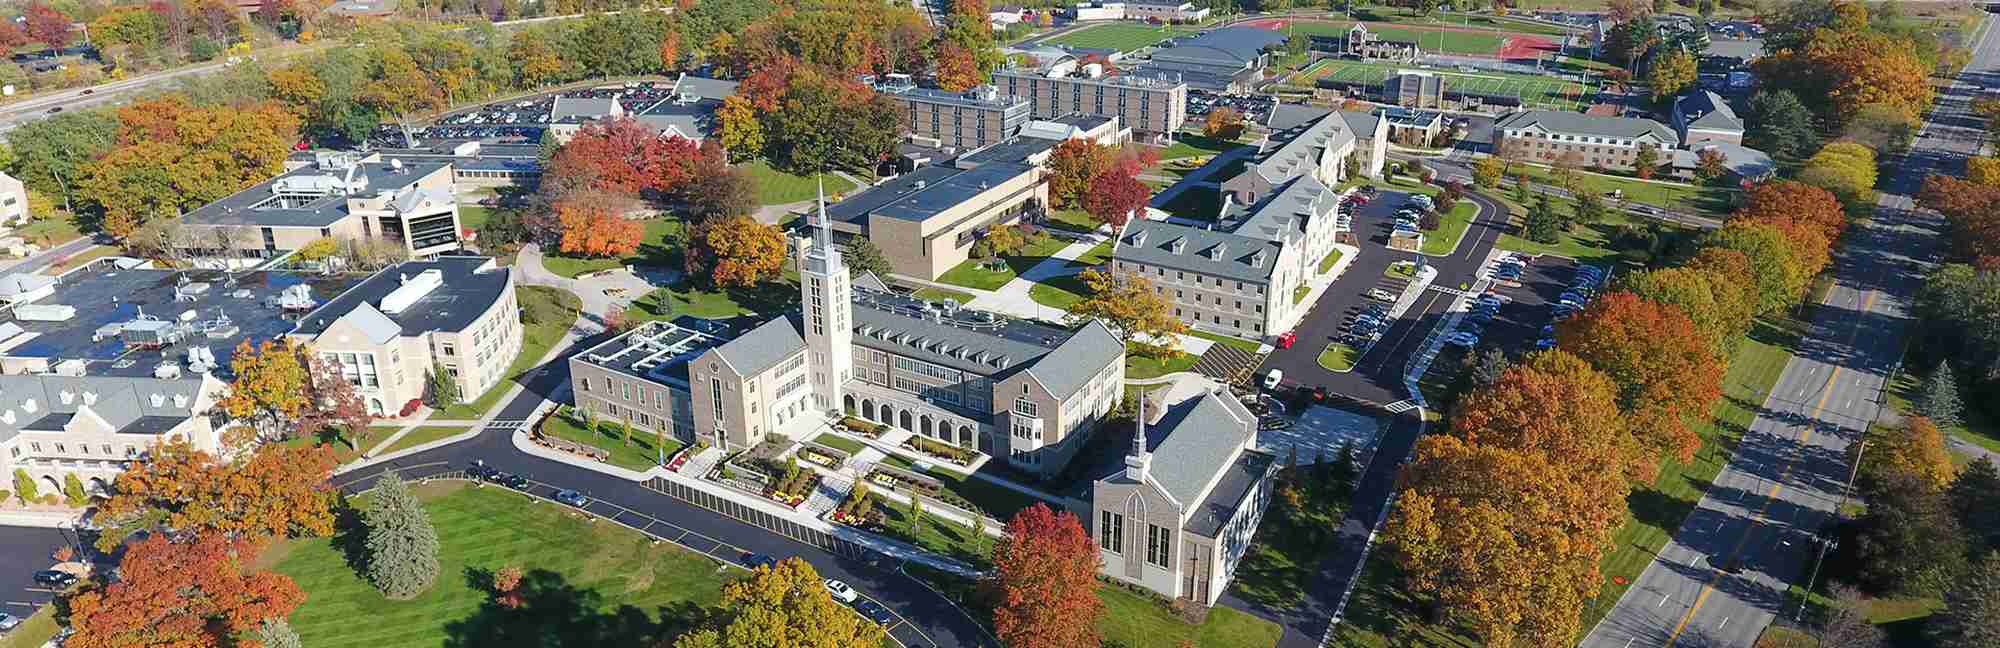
(1139, 459)
(824, 293)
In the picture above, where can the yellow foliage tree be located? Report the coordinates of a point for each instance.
(739, 252)
(1130, 306)
(1983, 170)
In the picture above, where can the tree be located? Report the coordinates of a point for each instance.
(402, 545)
(1072, 166)
(1781, 125)
(1045, 577)
(1487, 171)
(1626, 10)
(621, 156)
(270, 385)
(1488, 366)
(1909, 541)
(1971, 495)
(1129, 305)
(1983, 170)
(1787, 200)
(1646, 161)
(716, 189)
(1717, 318)
(275, 491)
(277, 633)
(1556, 404)
(1971, 614)
(1937, 398)
(441, 387)
(1590, 209)
(1881, 127)
(1966, 206)
(1774, 271)
(1666, 373)
(1672, 72)
(1115, 196)
(821, 123)
(1631, 38)
(73, 493)
(47, 25)
(739, 129)
(25, 489)
(862, 255)
(193, 594)
(1003, 240)
(1710, 163)
(1542, 223)
(591, 227)
(1846, 624)
(738, 252)
(1224, 123)
(1915, 449)
(782, 606)
(1847, 170)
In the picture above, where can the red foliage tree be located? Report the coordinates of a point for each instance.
(1798, 201)
(621, 155)
(193, 594)
(11, 36)
(1969, 208)
(1114, 196)
(1664, 370)
(1046, 576)
(47, 25)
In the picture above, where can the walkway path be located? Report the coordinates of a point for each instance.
(1014, 299)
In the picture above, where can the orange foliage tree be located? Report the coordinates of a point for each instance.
(593, 228)
(1045, 577)
(277, 491)
(193, 594)
(1556, 404)
(1970, 209)
(623, 156)
(1798, 201)
(1664, 370)
(736, 252)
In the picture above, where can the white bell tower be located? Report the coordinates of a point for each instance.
(828, 310)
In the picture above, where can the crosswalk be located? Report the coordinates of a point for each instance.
(1449, 290)
(1401, 406)
(505, 424)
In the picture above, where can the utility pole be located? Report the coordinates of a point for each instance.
(1824, 543)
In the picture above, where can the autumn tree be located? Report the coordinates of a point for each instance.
(1223, 123)
(623, 156)
(402, 545)
(782, 606)
(737, 252)
(590, 227)
(1702, 295)
(1672, 72)
(1666, 372)
(716, 188)
(1646, 161)
(271, 384)
(739, 128)
(1072, 166)
(1971, 614)
(815, 122)
(276, 491)
(1710, 165)
(1487, 171)
(1840, 71)
(1774, 271)
(1045, 582)
(1132, 308)
(1115, 195)
(1781, 200)
(1915, 448)
(47, 25)
(1847, 170)
(1556, 404)
(1967, 208)
(172, 156)
(194, 593)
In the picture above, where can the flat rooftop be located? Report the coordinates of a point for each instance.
(218, 310)
(314, 195)
(660, 351)
(465, 293)
(1013, 149)
(950, 191)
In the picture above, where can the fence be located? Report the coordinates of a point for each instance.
(754, 517)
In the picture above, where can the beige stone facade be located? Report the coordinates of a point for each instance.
(1151, 107)
(1549, 137)
(53, 426)
(342, 196)
(965, 120)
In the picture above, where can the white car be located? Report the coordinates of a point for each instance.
(8, 622)
(840, 591)
(1272, 379)
(1381, 294)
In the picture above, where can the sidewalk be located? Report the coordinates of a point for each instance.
(1014, 299)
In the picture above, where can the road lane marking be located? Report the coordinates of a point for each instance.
(1805, 435)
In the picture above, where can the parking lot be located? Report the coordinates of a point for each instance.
(1254, 108)
(1526, 302)
(522, 121)
(24, 550)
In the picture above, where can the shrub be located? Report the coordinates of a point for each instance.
(1430, 221)
(411, 407)
(934, 447)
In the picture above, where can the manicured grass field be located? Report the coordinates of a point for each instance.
(998, 502)
(86, 256)
(652, 251)
(841, 443)
(585, 582)
(1449, 38)
(1326, 262)
(1136, 621)
(1588, 243)
(971, 275)
(421, 435)
(1121, 36)
(1246, 345)
(776, 187)
(1075, 220)
(552, 311)
(473, 216)
(1534, 91)
(939, 535)
(34, 630)
(1059, 292)
(640, 452)
(1138, 367)
(941, 294)
(1444, 239)
(690, 299)
(1710, 200)
(1094, 256)
(1337, 357)
(51, 230)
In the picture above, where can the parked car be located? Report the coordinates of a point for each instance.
(55, 578)
(479, 470)
(1380, 294)
(1272, 379)
(572, 498)
(1285, 341)
(840, 591)
(875, 612)
(755, 560)
(9, 622)
(510, 480)
(1461, 339)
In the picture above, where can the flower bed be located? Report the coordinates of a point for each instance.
(681, 458)
(794, 486)
(830, 458)
(871, 430)
(951, 453)
(918, 485)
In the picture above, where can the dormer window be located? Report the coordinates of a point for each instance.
(1139, 238)
(1179, 246)
(157, 400)
(29, 406)
(66, 396)
(1216, 252)
(7, 417)
(90, 398)
(180, 400)
(1257, 258)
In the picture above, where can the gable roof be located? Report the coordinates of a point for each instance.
(764, 347)
(1706, 110)
(1295, 151)
(1237, 46)
(1154, 243)
(1569, 123)
(1285, 116)
(1195, 441)
(867, 279)
(1278, 215)
(1077, 360)
(126, 405)
(372, 323)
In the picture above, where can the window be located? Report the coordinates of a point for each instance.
(715, 393)
(1111, 533)
(447, 349)
(1158, 545)
(586, 384)
(1025, 407)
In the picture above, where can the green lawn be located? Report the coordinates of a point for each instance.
(1139, 367)
(50, 230)
(1136, 621)
(652, 251)
(421, 435)
(938, 535)
(34, 631)
(776, 187)
(941, 294)
(1075, 220)
(1121, 36)
(547, 314)
(1708, 200)
(1059, 292)
(972, 275)
(473, 216)
(1451, 41)
(689, 299)
(1978, 427)
(1094, 256)
(1533, 90)
(1338, 357)
(342, 453)
(641, 452)
(1587, 243)
(1186, 145)
(1443, 240)
(1240, 343)
(1326, 262)
(585, 582)
(841, 443)
(1401, 270)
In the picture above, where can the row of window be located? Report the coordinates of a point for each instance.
(81, 448)
(1159, 540)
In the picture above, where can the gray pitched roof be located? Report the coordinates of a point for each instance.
(1154, 243)
(867, 279)
(1195, 442)
(127, 404)
(580, 108)
(704, 87)
(1569, 123)
(1286, 116)
(1295, 151)
(1281, 212)
(1077, 359)
(372, 323)
(1225, 46)
(765, 346)
(1707, 110)
(466, 293)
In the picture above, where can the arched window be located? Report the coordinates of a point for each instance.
(905, 422)
(925, 425)
(868, 409)
(848, 402)
(965, 436)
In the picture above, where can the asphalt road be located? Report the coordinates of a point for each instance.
(1724, 575)
(25, 550)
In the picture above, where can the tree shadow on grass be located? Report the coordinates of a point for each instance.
(350, 535)
(1660, 510)
(556, 614)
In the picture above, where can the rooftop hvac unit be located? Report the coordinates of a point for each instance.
(107, 331)
(296, 298)
(167, 370)
(150, 333)
(44, 312)
(411, 290)
(71, 367)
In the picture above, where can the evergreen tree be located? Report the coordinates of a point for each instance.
(277, 633)
(1487, 367)
(1521, 190)
(862, 255)
(444, 390)
(402, 545)
(916, 514)
(1938, 399)
(1542, 223)
(1973, 495)
(1345, 470)
(1971, 614)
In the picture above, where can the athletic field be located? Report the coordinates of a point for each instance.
(1121, 36)
(1534, 91)
(1444, 39)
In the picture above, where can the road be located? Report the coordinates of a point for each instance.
(1724, 575)
(24, 550)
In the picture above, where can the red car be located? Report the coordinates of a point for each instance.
(1285, 341)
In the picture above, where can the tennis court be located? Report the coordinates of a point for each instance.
(1123, 37)
(1534, 91)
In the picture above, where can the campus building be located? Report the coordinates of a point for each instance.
(1311, 141)
(962, 120)
(1161, 10)
(1023, 391)
(1367, 45)
(689, 112)
(1414, 89)
(1703, 116)
(1227, 59)
(1154, 106)
(339, 195)
(1546, 136)
(567, 115)
(1179, 515)
(389, 332)
(13, 201)
(93, 426)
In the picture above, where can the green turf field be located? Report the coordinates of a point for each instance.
(1534, 91)
(1482, 42)
(1121, 36)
